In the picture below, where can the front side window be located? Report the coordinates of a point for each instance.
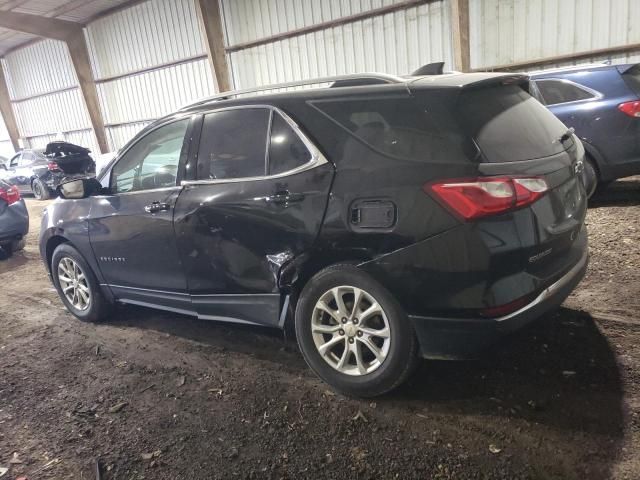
(233, 144)
(557, 91)
(152, 162)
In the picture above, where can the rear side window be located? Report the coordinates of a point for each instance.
(286, 150)
(233, 144)
(401, 127)
(559, 91)
(632, 77)
(510, 125)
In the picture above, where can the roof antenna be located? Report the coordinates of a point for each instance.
(436, 68)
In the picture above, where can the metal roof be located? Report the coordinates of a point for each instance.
(79, 11)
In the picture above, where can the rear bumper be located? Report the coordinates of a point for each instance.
(451, 338)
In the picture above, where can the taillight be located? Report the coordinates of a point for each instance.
(482, 197)
(10, 195)
(630, 108)
(53, 166)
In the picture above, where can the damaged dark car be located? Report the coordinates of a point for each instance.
(40, 172)
(384, 218)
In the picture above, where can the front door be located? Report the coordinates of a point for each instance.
(19, 171)
(258, 202)
(131, 228)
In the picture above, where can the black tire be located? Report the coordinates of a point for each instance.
(40, 190)
(17, 245)
(402, 354)
(590, 176)
(98, 307)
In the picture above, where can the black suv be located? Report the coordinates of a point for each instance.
(387, 218)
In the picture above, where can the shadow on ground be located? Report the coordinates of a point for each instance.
(560, 370)
(622, 193)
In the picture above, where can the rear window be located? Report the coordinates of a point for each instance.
(632, 77)
(400, 127)
(509, 125)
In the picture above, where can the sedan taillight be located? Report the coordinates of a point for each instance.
(53, 167)
(10, 195)
(482, 197)
(630, 108)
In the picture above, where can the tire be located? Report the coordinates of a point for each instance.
(17, 245)
(40, 190)
(96, 307)
(590, 176)
(360, 373)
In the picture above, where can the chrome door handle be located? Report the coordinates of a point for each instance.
(282, 198)
(156, 207)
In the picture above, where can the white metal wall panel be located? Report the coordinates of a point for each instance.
(51, 114)
(397, 42)
(153, 94)
(121, 134)
(39, 68)
(507, 31)
(248, 20)
(146, 35)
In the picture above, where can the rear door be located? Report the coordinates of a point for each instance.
(257, 203)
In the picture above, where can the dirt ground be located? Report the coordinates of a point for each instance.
(153, 395)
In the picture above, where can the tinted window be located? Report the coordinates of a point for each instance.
(400, 127)
(286, 150)
(152, 162)
(632, 77)
(233, 144)
(556, 91)
(509, 125)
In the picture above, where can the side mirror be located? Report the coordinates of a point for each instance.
(79, 188)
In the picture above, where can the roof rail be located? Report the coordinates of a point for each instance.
(355, 79)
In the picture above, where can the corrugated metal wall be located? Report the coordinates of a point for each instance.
(45, 95)
(396, 42)
(127, 48)
(506, 31)
(149, 59)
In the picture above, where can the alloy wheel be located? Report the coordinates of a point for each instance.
(351, 330)
(73, 284)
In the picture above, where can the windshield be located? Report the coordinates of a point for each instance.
(510, 125)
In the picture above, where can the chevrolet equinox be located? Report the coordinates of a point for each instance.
(387, 218)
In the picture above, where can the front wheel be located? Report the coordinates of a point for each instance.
(353, 334)
(77, 285)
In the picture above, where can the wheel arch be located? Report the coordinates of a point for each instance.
(52, 243)
(295, 275)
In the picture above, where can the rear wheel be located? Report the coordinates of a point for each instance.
(77, 285)
(40, 190)
(353, 334)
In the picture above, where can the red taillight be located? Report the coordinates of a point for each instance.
(630, 108)
(482, 197)
(10, 195)
(53, 166)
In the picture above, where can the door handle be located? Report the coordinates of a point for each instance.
(156, 207)
(282, 198)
